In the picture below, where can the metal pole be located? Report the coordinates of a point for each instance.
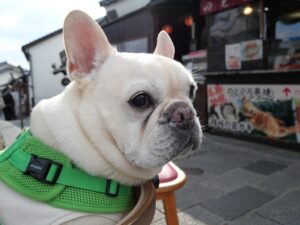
(20, 107)
(261, 20)
(19, 83)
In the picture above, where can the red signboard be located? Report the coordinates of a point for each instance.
(211, 6)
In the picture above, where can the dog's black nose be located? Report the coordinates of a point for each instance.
(179, 114)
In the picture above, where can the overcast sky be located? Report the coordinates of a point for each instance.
(23, 21)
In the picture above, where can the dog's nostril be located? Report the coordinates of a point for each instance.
(179, 115)
(177, 118)
(183, 117)
(191, 115)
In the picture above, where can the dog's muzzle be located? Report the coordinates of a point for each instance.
(177, 133)
(179, 114)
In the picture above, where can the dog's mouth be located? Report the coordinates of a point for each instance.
(189, 149)
(159, 155)
(162, 143)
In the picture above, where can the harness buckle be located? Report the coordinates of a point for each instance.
(39, 169)
(112, 188)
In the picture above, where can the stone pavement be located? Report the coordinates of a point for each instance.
(232, 182)
(2, 145)
(8, 133)
(9, 130)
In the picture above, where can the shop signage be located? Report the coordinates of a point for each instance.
(286, 56)
(252, 50)
(211, 6)
(237, 53)
(272, 111)
(233, 56)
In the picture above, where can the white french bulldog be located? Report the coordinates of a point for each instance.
(123, 116)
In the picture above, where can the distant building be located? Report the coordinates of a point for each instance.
(244, 54)
(130, 25)
(43, 54)
(8, 73)
(14, 96)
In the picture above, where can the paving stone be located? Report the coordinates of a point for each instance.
(255, 148)
(193, 194)
(194, 216)
(237, 203)
(232, 180)
(296, 222)
(218, 164)
(201, 215)
(219, 150)
(159, 222)
(241, 145)
(9, 132)
(160, 206)
(193, 179)
(280, 182)
(2, 145)
(285, 210)
(265, 167)
(231, 157)
(158, 215)
(253, 219)
(193, 170)
(283, 154)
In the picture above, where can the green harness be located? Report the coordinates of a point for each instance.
(40, 172)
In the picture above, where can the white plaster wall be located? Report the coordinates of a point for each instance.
(43, 55)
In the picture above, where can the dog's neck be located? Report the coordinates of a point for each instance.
(56, 124)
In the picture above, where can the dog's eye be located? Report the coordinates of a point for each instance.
(191, 94)
(140, 100)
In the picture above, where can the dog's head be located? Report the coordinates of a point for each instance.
(141, 102)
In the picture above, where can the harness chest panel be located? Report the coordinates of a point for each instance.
(58, 195)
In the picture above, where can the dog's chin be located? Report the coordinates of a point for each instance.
(188, 153)
(163, 144)
(155, 160)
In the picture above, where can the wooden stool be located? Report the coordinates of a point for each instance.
(171, 178)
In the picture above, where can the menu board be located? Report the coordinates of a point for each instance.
(233, 57)
(271, 111)
(252, 50)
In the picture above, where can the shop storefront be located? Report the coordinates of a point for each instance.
(252, 72)
(137, 31)
(244, 54)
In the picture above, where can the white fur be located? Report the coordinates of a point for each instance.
(93, 124)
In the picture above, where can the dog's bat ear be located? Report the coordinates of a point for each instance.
(164, 45)
(85, 43)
